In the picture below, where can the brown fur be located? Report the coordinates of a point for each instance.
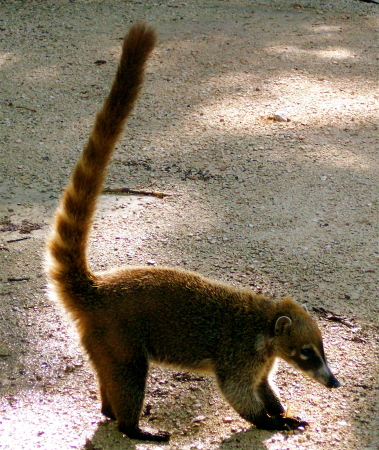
(129, 316)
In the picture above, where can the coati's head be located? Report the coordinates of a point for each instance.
(298, 341)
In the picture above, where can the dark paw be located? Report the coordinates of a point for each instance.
(280, 423)
(293, 423)
(137, 433)
(107, 412)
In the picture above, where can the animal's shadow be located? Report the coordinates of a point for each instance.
(250, 438)
(107, 436)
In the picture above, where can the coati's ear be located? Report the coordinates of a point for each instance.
(282, 324)
(305, 307)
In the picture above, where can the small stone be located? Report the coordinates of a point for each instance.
(279, 116)
(199, 419)
(343, 423)
(227, 419)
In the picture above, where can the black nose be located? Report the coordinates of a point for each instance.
(333, 382)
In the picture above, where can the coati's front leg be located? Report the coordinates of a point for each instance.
(272, 404)
(275, 409)
(259, 406)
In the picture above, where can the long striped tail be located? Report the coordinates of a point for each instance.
(68, 270)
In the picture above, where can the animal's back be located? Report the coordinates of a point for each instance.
(179, 316)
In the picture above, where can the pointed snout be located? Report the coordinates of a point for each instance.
(325, 376)
(333, 382)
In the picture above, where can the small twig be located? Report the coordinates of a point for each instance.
(25, 107)
(18, 279)
(19, 239)
(328, 315)
(135, 192)
(22, 107)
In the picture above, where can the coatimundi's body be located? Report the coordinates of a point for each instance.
(129, 316)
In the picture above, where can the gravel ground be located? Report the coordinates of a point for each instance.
(260, 119)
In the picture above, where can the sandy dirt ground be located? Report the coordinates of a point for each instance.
(260, 118)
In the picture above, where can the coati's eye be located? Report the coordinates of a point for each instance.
(307, 352)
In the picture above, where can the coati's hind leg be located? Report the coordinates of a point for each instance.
(122, 387)
(106, 407)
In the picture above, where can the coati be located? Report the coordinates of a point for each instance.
(130, 316)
